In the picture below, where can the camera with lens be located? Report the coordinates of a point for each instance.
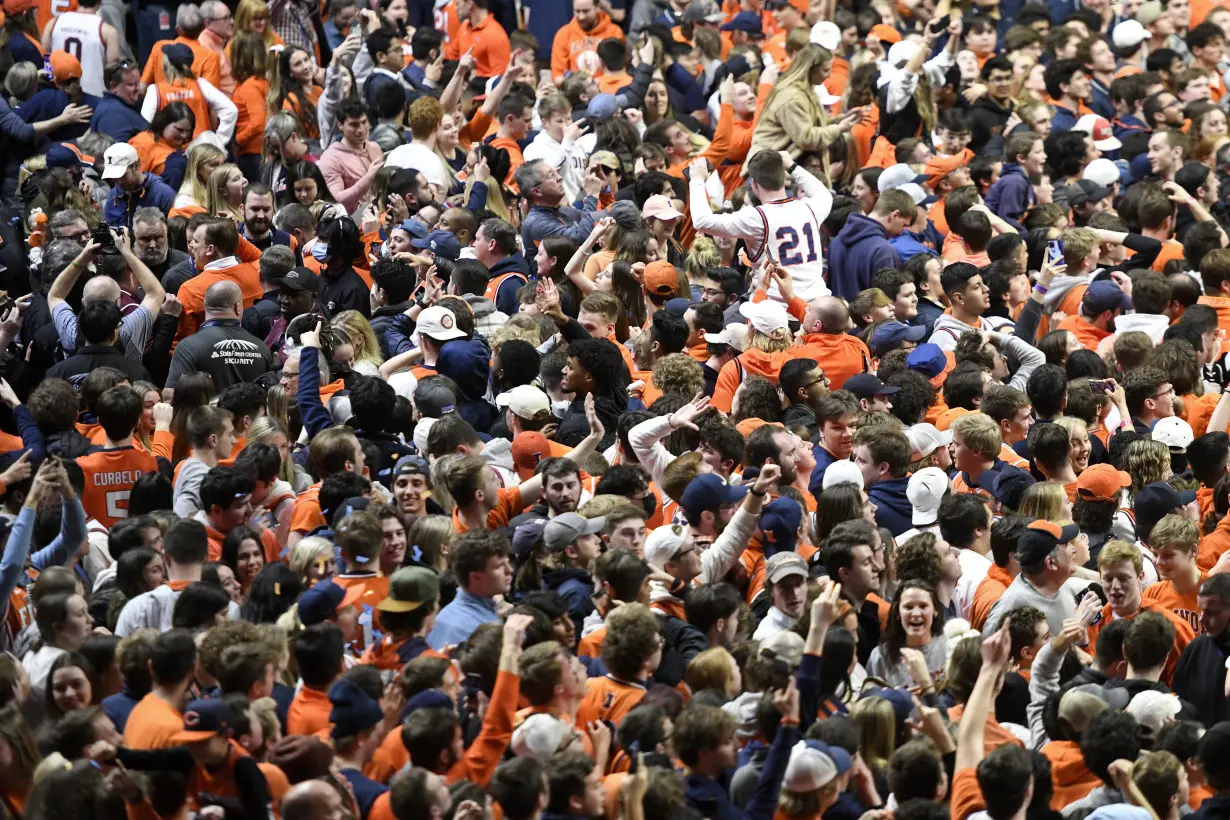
(101, 235)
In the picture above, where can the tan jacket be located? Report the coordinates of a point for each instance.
(793, 120)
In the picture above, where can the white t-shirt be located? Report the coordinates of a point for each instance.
(420, 158)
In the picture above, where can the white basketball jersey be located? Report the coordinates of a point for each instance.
(792, 239)
(81, 36)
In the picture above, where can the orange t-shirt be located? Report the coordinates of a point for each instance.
(47, 9)
(1183, 633)
(306, 515)
(152, 723)
(609, 699)
(508, 506)
(250, 126)
(1213, 545)
(590, 646)
(205, 61)
(1184, 607)
(966, 795)
(989, 590)
(192, 293)
(308, 712)
(490, 43)
(1088, 334)
(269, 542)
(151, 152)
(109, 476)
(994, 734)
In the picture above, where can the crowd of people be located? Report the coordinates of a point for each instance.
(606, 410)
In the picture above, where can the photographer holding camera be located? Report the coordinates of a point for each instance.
(108, 257)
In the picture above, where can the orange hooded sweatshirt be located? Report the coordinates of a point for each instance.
(573, 42)
(1070, 777)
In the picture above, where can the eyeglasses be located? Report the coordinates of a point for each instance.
(823, 379)
(1169, 392)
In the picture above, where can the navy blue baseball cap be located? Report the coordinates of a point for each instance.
(927, 359)
(1006, 485)
(203, 719)
(353, 709)
(779, 521)
(1155, 502)
(413, 227)
(708, 492)
(748, 21)
(323, 601)
(441, 243)
(1104, 295)
(894, 333)
(866, 385)
(65, 156)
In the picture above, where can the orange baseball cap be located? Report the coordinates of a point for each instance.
(65, 67)
(528, 449)
(15, 7)
(1102, 482)
(939, 167)
(661, 278)
(886, 33)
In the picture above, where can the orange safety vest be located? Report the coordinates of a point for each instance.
(493, 287)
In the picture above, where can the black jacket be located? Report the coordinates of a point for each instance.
(1200, 678)
(258, 319)
(225, 351)
(987, 119)
(345, 291)
(382, 317)
(177, 274)
(91, 357)
(680, 643)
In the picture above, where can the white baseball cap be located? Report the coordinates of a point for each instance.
(1129, 33)
(539, 737)
(813, 765)
(734, 335)
(925, 490)
(826, 99)
(1102, 171)
(117, 159)
(766, 316)
(925, 438)
(664, 543)
(901, 177)
(842, 472)
(525, 400)
(439, 323)
(901, 53)
(826, 34)
(1173, 432)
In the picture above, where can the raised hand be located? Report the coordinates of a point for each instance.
(824, 608)
(163, 413)
(685, 416)
(311, 338)
(171, 305)
(698, 169)
(596, 427)
(997, 648)
(576, 130)
(19, 470)
(514, 629)
(770, 474)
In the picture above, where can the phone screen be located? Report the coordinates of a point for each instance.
(1054, 251)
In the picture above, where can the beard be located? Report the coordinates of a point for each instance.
(152, 258)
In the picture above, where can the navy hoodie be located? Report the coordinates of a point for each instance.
(1012, 195)
(893, 508)
(468, 362)
(575, 586)
(859, 250)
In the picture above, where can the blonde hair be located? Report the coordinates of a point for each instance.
(361, 335)
(1073, 425)
(433, 536)
(262, 430)
(702, 256)
(1174, 531)
(198, 155)
(1146, 461)
(305, 552)
(215, 199)
(1043, 500)
(246, 10)
(1118, 552)
(877, 729)
(979, 432)
(776, 342)
(171, 73)
(711, 669)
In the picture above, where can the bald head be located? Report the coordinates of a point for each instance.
(223, 300)
(833, 314)
(311, 800)
(100, 289)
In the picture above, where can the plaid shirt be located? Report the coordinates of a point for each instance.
(292, 20)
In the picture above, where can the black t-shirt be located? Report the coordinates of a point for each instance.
(225, 351)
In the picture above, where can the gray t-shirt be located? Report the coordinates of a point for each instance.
(1057, 608)
(187, 498)
(897, 675)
